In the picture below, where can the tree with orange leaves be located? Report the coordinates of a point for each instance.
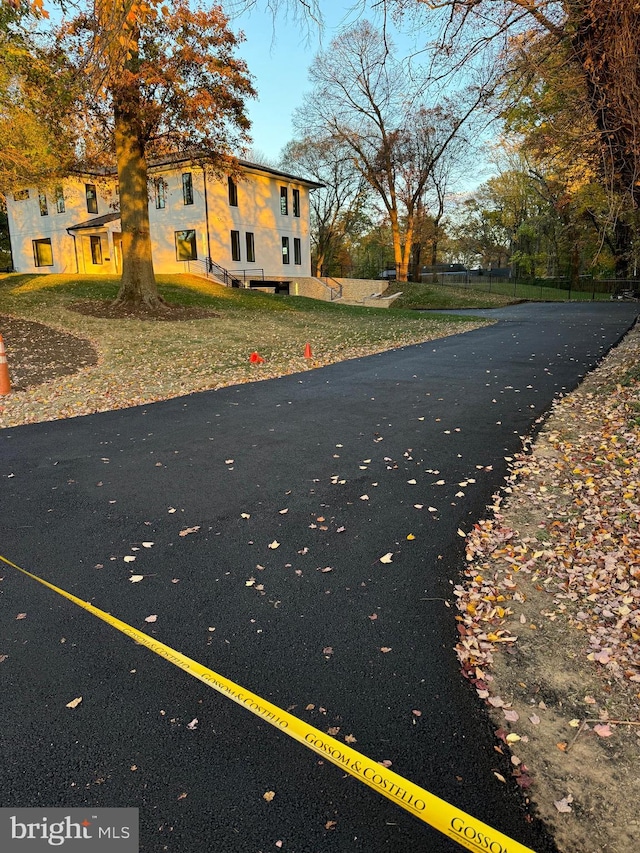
(150, 79)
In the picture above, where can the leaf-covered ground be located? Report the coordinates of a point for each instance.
(107, 362)
(549, 612)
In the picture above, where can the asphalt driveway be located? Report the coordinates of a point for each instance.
(257, 516)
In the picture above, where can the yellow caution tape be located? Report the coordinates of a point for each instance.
(454, 823)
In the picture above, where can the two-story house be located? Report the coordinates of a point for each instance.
(253, 224)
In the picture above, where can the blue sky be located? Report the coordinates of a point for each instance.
(279, 54)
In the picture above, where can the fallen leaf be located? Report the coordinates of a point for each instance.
(333, 730)
(328, 650)
(192, 725)
(21, 616)
(563, 804)
(386, 558)
(189, 530)
(268, 796)
(74, 702)
(147, 544)
(136, 578)
(182, 796)
(273, 545)
(283, 511)
(245, 515)
(603, 730)
(350, 739)
(129, 559)
(411, 537)
(535, 719)
(499, 776)
(511, 715)
(151, 618)
(385, 649)
(373, 617)
(331, 824)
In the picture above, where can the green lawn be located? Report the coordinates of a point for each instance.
(438, 296)
(488, 294)
(141, 360)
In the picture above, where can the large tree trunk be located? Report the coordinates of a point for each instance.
(138, 284)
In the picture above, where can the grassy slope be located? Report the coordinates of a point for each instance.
(142, 361)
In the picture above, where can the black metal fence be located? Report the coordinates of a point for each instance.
(586, 288)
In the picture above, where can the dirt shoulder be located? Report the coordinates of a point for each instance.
(549, 613)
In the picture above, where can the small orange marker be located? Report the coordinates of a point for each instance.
(255, 358)
(307, 351)
(5, 383)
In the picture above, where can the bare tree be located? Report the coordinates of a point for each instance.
(337, 205)
(365, 100)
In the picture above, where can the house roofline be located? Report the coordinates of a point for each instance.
(195, 157)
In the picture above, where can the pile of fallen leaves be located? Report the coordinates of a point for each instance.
(586, 554)
(549, 610)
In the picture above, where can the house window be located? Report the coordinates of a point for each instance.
(187, 187)
(251, 247)
(297, 251)
(21, 195)
(233, 192)
(92, 198)
(96, 250)
(59, 200)
(42, 202)
(186, 245)
(42, 253)
(284, 201)
(296, 202)
(235, 245)
(285, 250)
(160, 190)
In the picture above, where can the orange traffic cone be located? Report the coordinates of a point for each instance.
(5, 384)
(307, 351)
(255, 358)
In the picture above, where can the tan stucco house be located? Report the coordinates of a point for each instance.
(253, 224)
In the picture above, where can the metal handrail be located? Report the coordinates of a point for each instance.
(230, 278)
(336, 292)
